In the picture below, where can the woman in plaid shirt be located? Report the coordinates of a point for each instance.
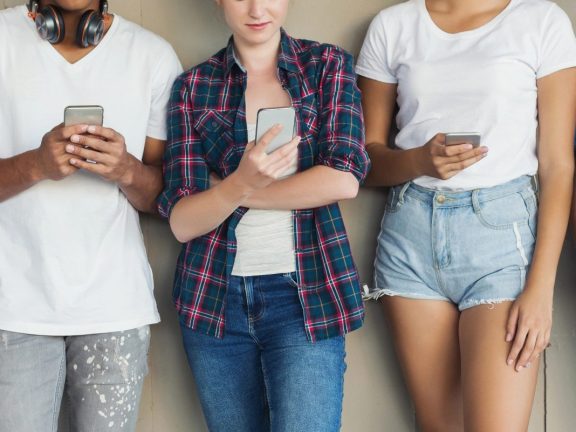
(265, 286)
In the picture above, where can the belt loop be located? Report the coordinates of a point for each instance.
(476, 200)
(535, 184)
(403, 191)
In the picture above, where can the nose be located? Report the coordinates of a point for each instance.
(257, 8)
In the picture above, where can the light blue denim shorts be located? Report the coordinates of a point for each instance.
(468, 248)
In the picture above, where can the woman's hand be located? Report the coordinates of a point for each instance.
(528, 328)
(258, 169)
(441, 161)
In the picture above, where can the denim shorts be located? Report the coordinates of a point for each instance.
(468, 248)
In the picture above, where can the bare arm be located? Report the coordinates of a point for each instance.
(315, 187)
(48, 162)
(531, 316)
(202, 212)
(390, 166)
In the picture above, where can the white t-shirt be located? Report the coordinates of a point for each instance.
(265, 238)
(72, 257)
(483, 80)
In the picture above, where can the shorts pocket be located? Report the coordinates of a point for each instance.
(506, 211)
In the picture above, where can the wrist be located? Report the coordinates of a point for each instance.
(236, 189)
(417, 161)
(127, 179)
(33, 167)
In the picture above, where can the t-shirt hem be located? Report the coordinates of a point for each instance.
(376, 76)
(77, 330)
(557, 68)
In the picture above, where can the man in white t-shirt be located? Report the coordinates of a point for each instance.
(76, 290)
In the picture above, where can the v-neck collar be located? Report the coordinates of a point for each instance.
(53, 53)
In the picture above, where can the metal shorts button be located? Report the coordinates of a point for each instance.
(440, 199)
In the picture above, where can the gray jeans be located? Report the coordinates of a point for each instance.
(101, 376)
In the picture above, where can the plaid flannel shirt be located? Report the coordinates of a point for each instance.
(207, 133)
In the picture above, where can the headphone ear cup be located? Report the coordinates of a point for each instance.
(90, 29)
(50, 24)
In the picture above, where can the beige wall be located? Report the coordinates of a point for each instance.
(375, 397)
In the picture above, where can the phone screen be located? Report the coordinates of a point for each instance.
(268, 117)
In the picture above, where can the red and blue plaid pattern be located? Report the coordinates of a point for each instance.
(207, 133)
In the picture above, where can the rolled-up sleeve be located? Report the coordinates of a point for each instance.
(184, 166)
(341, 139)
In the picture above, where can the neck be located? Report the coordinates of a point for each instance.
(454, 5)
(258, 58)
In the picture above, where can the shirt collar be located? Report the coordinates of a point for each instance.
(287, 58)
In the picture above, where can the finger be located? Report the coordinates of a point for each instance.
(249, 146)
(281, 152)
(470, 154)
(456, 167)
(107, 133)
(517, 345)
(94, 143)
(512, 324)
(88, 154)
(453, 150)
(267, 138)
(540, 347)
(68, 131)
(92, 167)
(527, 350)
(279, 167)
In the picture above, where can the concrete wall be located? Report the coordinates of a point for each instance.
(375, 397)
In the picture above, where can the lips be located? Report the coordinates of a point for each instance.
(259, 26)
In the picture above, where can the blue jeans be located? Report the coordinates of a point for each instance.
(265, 375)
(101, 374)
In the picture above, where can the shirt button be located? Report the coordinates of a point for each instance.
(214, 124)
(440, 199)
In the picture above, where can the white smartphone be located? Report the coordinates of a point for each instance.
(454, 138)
(84, 114)
(268, 117)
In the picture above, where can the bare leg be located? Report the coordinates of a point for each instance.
(496, 398)
(426, 339)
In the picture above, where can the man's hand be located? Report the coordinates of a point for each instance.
(106, 151)
(51, 158)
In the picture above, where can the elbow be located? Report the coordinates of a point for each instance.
(349, 187)
(178, 232)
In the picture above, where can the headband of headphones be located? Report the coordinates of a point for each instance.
(33, 7)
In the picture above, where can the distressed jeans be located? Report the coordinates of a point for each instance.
(101, 376)
(265, 375)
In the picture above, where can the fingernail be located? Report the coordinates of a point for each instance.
(75, 138)
(509, 362)
(73, 161)
(528, 365)
(508, 337)
(91, 129)
(70, 148)
(484, 150)
(468, 147)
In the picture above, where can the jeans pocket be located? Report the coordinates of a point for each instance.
(291, 278)
(503, 212)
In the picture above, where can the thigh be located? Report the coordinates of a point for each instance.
(32, 377)
(104, 380)
(426, 338)
(305, 381)
(229, 381)
(496, 398)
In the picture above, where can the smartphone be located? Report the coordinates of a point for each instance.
(454, 138)
(268, 117)
(83, 114)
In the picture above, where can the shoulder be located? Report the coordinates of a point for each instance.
(407, 10)
(539, 9)
(12, 21)
(319, 55)
(142, 39)
(210, 71)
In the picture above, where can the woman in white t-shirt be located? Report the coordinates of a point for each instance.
(465, 276)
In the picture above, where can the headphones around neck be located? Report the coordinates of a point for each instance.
(50, 24)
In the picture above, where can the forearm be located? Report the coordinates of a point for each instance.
(315, 187)
(201, 213)
(392, 167)
(554, 209)
(18, 173)
(142, 184)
